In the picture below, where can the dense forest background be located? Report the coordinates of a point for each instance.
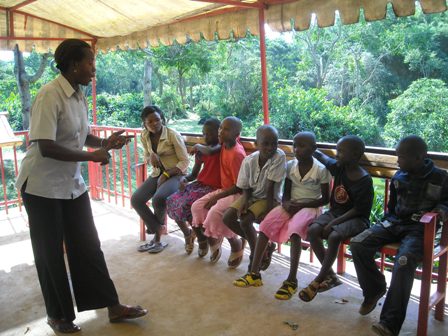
(380, 80)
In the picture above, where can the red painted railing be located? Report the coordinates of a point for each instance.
(15, 151)
(114, 182)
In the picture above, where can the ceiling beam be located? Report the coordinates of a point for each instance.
(22, 4)
(258, 4)
(56, 23)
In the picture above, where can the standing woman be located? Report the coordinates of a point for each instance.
(56, 199)
(165, 151)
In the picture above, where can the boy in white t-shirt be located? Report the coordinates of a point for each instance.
(260, 178)
(306, 190)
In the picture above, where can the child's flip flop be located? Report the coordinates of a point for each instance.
(215, 251)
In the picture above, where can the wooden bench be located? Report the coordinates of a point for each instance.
(382, 163)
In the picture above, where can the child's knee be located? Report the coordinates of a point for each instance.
(334, 238)
(230, 216)
(247, 221)
(406, 261)
(314, 231)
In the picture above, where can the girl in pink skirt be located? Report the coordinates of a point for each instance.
(306, 190)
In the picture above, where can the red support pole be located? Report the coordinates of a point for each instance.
(264, 75)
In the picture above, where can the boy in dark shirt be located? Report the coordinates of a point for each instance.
(350, 204)
(416, 188)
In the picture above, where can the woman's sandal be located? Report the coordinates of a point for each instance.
(330, 282)
(63, 326)
(202, 248)
(128, 313)
(189, 242)
(286, 291)
(310, 292)
(215, 251)
(235, 258)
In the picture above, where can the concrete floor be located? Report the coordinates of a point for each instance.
(185, 295)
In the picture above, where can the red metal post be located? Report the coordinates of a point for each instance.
(264, 75)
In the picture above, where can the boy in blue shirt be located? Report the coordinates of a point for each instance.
(418, 187)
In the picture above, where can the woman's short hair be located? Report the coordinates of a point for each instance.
(147, 110)
(69, 51)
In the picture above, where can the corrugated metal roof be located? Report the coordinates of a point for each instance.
(132, 23)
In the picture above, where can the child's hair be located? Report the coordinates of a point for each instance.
(147, 110)
(356, 144)
(308, 134)
(237, 124)
(70, 50)
(415, 144)
(212, 122)
(268, 128)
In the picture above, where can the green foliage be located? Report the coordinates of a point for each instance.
(377, 211)
(170, 103)
(119, 110)
(421, 110)
(296, 109)
(120, 71)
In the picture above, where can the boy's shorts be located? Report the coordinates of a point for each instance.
(346, 229)
(257, 207)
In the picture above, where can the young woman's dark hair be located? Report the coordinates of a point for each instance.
(147, 110)
(69, 51)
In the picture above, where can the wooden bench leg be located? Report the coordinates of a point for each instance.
(341, 259)
(441, 286)
(425, 289)
(142, 230)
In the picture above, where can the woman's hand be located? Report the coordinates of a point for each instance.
(117, 141)
(161, 180)
(154, 160)
(101, 155)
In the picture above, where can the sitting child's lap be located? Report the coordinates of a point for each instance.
(179, 204)
(256, 207)
(198, 211)
(278, 225)
(346, 229)
(213, 224)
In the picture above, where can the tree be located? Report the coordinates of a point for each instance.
(185, 59)
(24, 80)
(421, 110)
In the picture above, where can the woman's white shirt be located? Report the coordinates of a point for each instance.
(59, 113)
